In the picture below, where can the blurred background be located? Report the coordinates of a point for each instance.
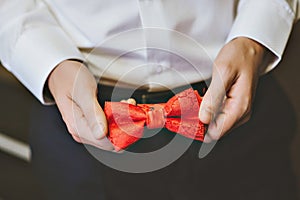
(16, 177)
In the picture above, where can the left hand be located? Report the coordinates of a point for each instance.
(74, 89)
(227, 102)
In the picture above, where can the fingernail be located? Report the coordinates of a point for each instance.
(106, 144)
(98, 131)
(214, 133)
(207, 139)
(204, 115)
(131, 101)
(204, 112)
(118, 150)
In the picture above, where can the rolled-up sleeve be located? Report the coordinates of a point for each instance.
(32, 43)
(268, 22)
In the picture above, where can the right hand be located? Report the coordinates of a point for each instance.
(74, 90)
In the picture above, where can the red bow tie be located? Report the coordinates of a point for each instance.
(180, 114)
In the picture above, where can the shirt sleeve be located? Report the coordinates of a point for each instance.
(32, 43)
(268, 22)
(296, 6)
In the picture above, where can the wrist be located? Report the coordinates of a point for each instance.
(254, 47)
(63, 72)
(257, 52)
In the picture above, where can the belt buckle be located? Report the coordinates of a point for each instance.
(144, 99)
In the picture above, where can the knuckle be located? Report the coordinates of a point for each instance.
(215, 136)
(77, 139)
(248, 116)
(244, 109)
(246, 106)
(65, 119)
(72, 130)
(208, 107)
(98, 131)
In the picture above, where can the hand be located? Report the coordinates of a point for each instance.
(227, 102)
(74, 90)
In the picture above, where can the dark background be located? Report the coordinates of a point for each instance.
(16, 180)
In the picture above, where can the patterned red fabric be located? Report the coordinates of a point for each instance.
(180, 114)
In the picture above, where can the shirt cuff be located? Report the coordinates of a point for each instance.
(269, 22)
(36, 53)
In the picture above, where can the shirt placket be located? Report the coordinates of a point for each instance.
(156, 35)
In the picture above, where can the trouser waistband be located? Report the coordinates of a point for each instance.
(111, 93)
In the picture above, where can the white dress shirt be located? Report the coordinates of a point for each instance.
(154, 43)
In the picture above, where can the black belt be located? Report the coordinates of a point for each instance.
(110, 93)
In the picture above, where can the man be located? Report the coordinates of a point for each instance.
(157, 45)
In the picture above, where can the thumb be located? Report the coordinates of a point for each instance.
(85, 96)
(95, 122)
(95, 117)
(213, 98)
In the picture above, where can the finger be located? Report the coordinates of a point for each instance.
(129, 101)
(77, 139)
(95, 117)
(85, 133)
(84, 94)
(236, 107)
(214, 97)
(104, 143)
(207, 139)
(93, 143)
(77, 125)
(65, 107)
(242, 121)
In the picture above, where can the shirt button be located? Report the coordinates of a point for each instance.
(159, 69)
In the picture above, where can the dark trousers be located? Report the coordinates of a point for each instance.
(252, 162)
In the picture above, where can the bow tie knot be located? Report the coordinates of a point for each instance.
(155, 117)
